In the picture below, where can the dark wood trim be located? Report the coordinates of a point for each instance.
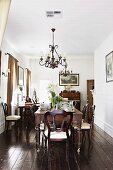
(11, 56)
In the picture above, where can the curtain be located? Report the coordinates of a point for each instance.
(28, 81)
(4, 10)
(0, 64)
(0, 74)
(12, 80)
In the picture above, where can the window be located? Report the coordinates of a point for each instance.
(43, 89)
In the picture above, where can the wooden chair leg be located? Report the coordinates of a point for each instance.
(16, 125)
(83, 137)
(28, 134)
(49, 151)
(45, 143)
(90, 140)
(67, 152)
(42, 139)
(88, 133)
(79, 140)
(37, 138)
(73, 135)
(6, 126)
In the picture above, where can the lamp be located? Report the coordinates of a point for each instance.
(65, 72)
(52, 61)
(6, 74)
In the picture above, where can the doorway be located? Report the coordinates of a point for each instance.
(90, 88)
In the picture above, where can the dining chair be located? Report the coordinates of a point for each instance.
(76, 104)
(85, 111)
(82, 127)
(87, 125)
(10, 118)
(40, 138)
(58, 125)
(76, 131)
(29, 120)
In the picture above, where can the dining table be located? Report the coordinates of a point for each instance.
(39, 119)
(26, 106)
(26, 111)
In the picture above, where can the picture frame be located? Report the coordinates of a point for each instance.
(69, 80)
(109, 67)
(20, 76)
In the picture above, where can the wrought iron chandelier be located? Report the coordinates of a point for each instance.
(65, 72)
(55, 59)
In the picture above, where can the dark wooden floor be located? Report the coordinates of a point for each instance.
(16, 154)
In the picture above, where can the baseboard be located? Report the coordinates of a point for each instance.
(104, 126)
(1, 128)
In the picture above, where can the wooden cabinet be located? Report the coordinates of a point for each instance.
(72, 95)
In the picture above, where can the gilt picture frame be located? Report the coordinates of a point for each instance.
(109, 67)
(20, 76)
(69, 80)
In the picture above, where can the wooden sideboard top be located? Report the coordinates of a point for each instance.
(71, 95)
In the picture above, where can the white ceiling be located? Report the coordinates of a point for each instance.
(83, 26)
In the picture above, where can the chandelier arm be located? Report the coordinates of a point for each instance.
(53, 62)
(56, 46)
(65, 72)
(63, 63)
(50, 46)
(42, 64)
(56, 53)
(48, 64)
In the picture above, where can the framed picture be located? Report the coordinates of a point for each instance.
(109, 67)
(70, 79)
(20, 76)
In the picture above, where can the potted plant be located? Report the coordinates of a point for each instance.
(54, 97)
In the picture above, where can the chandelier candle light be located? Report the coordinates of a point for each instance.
(52, 61)
(65, 72)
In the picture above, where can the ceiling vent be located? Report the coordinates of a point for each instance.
(51, 14)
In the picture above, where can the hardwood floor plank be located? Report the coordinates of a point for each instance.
(101, 156)
(17, 154)
(20, 161)
(105, 145)
(106, 158)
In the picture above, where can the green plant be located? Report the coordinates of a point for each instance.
(59, 99)
(54, 96)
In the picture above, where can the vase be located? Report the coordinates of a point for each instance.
(53, 104)
(57, 106)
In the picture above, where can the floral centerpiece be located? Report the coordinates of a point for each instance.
(54, 97)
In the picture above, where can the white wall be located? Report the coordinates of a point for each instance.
(103, 94)
(78, 64)
(7, 48)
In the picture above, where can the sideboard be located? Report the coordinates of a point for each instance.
(72, 95)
